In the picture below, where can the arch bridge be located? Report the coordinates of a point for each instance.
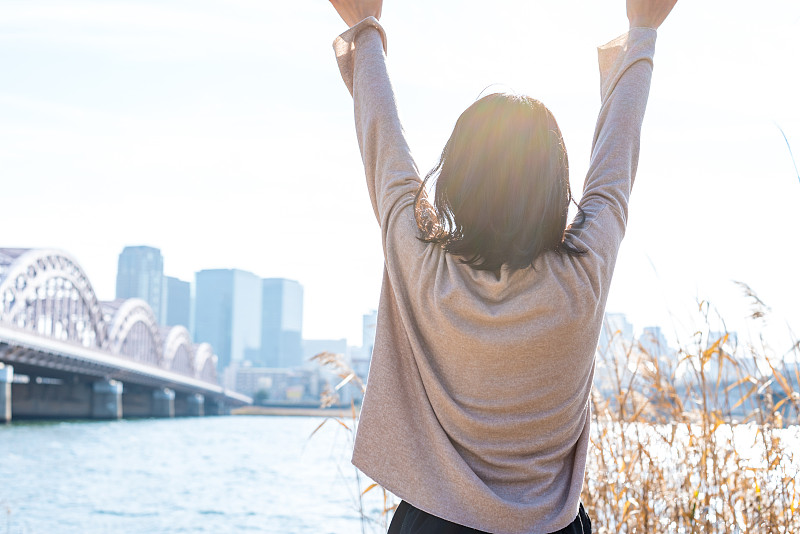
(64, 353)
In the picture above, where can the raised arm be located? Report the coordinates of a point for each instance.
(626, 66)
(392, 176)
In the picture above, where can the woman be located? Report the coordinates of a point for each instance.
(477, 408)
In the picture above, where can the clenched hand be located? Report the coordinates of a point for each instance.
(354, 11)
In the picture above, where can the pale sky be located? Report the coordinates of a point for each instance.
(221, 133)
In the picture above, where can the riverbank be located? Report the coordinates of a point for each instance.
(303, 411)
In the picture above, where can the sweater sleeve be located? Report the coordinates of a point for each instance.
(626, 67)
(392, 176)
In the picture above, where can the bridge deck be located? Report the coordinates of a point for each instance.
(28, 350)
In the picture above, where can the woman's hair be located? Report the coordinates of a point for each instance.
(502, 186)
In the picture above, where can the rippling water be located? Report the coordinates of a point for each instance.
(213, 474)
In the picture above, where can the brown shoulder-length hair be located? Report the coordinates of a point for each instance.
(502, 186)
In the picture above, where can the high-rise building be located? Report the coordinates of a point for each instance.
(613, 349)
(281, 323)
(654, 346)
(228, 314)
(653, 341)
(616, 330)
(140, 274)
(179, 302)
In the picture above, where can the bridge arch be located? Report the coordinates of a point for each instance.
(47, 292)
(179, 353)
(206, 363)
(134, 332)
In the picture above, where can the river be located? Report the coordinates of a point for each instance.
(212, 474)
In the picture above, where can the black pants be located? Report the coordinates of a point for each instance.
(410, 520)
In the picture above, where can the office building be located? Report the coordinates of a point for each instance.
(653, 342)
(140, 274)
(228, 314)
(616, 332)
(179, 302)
(655, 347)
(281, 324)
(614, 350)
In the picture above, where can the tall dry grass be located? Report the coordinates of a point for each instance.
(703, 440)
(707, 444)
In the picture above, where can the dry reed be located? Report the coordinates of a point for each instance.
(704, 440)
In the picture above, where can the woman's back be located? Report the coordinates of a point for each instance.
(477, 404)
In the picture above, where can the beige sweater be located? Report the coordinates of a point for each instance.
(477, 404)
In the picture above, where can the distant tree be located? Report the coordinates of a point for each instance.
(261, 397)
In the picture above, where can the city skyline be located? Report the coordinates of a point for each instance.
(248, 320)
(139, 265)
(243, 155)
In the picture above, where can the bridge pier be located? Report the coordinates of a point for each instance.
(216, 407)
(107, 399)
(48, 398)
(196, 405)
(6, 377)
(163, 403)
(189, 405)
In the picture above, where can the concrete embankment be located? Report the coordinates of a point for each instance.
(308, 411)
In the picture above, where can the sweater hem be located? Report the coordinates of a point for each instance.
(483, 527)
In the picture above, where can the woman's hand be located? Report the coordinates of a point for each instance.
(354, 11)
(648, 13)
